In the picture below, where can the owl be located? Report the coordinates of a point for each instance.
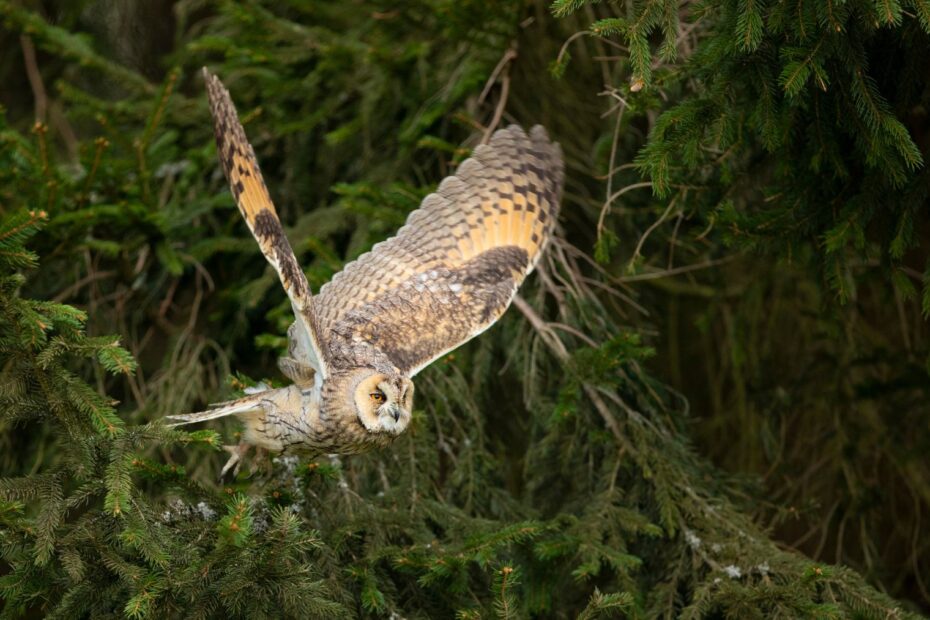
(447, 275)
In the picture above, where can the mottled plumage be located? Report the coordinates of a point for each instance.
(449, 273)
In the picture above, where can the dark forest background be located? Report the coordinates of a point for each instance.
(712, 400)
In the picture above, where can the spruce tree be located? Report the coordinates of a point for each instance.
(548, 471)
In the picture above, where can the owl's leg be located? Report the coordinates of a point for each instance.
(237, 453)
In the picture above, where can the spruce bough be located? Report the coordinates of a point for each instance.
(578, 495)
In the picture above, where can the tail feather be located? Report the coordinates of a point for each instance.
(249, 391)
(246, 404)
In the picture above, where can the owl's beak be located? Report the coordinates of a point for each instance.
(395, 413)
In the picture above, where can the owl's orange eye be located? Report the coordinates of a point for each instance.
(377, 396)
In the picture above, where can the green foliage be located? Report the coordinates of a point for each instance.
(801, 81)
(547, 471)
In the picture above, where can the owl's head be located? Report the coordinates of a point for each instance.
(383, 401)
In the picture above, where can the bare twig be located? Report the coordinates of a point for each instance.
(74, 288)
(575, 332)
(665, 273)
(656, 224)
(35, 78)
(509, 55)
(564, 49)
(610, 166)
(628, 188)
(604, 177)
(505, 61)
(542, 328)
(499, 110)
(559, 350)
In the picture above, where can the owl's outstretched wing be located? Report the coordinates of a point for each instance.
(248, 188)
(453, 269)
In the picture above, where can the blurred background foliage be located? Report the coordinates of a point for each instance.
(722, 365)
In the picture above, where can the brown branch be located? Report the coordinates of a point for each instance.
(504, 62)
(559, 350)
(35, 78)
(88, 279)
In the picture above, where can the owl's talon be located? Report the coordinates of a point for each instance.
(237, 452)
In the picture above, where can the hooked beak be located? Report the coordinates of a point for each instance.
(395, 413)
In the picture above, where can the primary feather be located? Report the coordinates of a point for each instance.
(248, 188)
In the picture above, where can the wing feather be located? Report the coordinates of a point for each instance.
(248, 188)
(454, 267)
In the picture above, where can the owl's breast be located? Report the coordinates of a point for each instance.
(339, 431)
